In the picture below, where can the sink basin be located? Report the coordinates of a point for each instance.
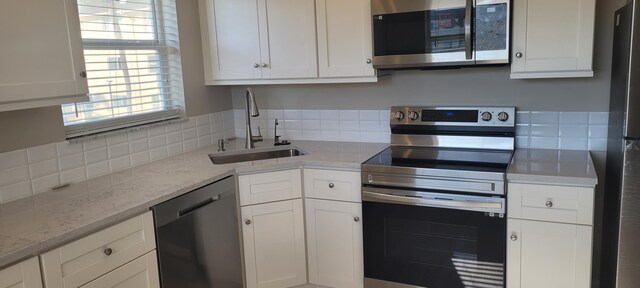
(253, 156)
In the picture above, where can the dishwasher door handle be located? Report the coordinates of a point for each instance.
(197, 206)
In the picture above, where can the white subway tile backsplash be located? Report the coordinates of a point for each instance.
(574, 131)
(204, 141)
(312, 135)
(13, 159)
(45, 183)
(174, 149)
(385, 115)
(370, 126)
(330, 125)
(139, 158)
(347, 125)
(330, 115)
(71, 162)
(118, 150)
(544, 130)
(523, 117)
(311, 125)
(189, 134)
(97, 169)
(310, 115)
(369, 115)
(66, 148)
(598, 131)
(189, 123)
(202, 120)
(370, 136)
(523, 130)
(574, 118)
(350, 136)
(117, 139)
(174, 137)
(545, 117)
(97, 155)
(15, 191)
(139, 145)
(330, 136)
(14, 175)
(41, 153)
(203, 130)
(352, 115)
(73, 175)
(43, 168)
(95, 144)
(155, 131)
(544, 142)
(157, 141)
(567, 143)
(292, 115)
(158, 153)
(275, 114)
(120, 163)
(597, 144)
(190, 145)
(522, 142)
(135, 135)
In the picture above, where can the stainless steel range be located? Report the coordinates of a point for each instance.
(434, 201)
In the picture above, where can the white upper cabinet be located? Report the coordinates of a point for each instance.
(230, 40)
(344, 38)
(553, 39)
(288, 39)
(42, 62)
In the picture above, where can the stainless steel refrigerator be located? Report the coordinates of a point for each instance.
(621, 226)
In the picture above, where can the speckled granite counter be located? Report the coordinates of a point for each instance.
(562, 167)
(36, 224)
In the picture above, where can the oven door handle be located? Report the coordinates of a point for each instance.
(468, 204)
(467, 30)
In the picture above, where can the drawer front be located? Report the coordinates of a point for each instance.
(270, 187)
(332, 185)
(84, 260)
(22, 275)
(139, 273)
(564, 204)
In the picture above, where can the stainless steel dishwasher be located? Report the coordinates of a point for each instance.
(198, 239)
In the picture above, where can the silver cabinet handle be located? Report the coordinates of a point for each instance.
(369, 61)
(519, 55)
(331, 185)
(467, 30)
(108, 251)
(357, 219)
(265, 65)
(514, 237)
(83, 74)
(549, 204)
(248, 222)
(256, 65)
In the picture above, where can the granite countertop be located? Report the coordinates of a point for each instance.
(40, 223)
(562, 167)
(36, 224)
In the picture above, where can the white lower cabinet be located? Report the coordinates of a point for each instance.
(550, 255)
(22, 275)
(112, 257)
(334, 238)
(274, 244)
(139, 273)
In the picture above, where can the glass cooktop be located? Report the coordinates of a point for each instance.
(444, 158)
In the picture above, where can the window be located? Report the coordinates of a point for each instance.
(133, 65)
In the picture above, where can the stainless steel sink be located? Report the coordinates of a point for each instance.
(254, 155)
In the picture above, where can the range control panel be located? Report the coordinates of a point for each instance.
(454, 116)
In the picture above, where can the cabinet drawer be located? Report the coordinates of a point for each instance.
(573, 205)
(86, 259)
(22, 275)
(139, 273)
(270, 187)
(332, 185)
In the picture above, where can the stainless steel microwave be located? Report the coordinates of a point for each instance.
(425, 33)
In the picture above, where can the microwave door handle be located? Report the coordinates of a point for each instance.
(467, 30)
(482, 206)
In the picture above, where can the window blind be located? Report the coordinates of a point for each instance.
(132, 56)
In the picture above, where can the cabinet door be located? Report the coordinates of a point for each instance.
(230, 39)
(334, 238)
(139, 273)
(553, 38)
(550, 255)
(344, 38)
(288, 39)
(22, 275)
(41, 54)
(273, 237)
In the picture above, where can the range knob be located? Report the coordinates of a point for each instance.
(413, 115)
(398, 115)
(486, 116)
(503, 116)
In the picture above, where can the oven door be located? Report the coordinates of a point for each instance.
(422, 33)
(421, 239)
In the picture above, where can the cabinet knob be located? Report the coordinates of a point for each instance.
(108, 251)
(369, 61)
(331, 185)
(248, 222)
(256, 65)
(83, 74)
(357, 219)
(265, 65)
(519, 55)
(514, 237)
(549, 204)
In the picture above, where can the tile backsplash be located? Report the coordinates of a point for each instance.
(35, 170)
(38, 169)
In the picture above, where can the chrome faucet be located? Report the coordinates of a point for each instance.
(252, 111)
